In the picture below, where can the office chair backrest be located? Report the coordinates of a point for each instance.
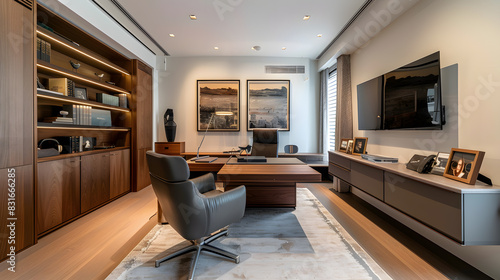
(291, 149)
(178, 197)
(265, 142)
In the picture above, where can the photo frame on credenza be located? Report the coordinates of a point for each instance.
(463, 165)
(350, 144)
(343, 145)
(360, 144)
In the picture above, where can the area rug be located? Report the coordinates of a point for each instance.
(302, 243)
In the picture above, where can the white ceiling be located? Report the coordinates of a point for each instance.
(235, 26)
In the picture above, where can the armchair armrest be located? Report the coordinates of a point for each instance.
(225, 208)
(204, 183)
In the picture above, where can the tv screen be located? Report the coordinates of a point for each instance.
(370, 104)
(412, 95)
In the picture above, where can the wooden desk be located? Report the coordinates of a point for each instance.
(267, 185)
(213, 166)
(189, 155)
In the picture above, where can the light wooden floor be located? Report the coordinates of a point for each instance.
(91, 247)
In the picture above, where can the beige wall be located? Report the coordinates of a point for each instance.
(468, 36)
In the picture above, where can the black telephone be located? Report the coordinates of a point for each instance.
(421, 164)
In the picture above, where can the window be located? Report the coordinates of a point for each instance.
(332, 109)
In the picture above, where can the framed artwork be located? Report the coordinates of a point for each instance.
(350, 144)
(359, 145)
(268, 104)
(218, 105)
(343, 145)
(440, 163)
(463, 165)
(81, 93)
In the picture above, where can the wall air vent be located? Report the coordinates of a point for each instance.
(26, 3)
(285, 69)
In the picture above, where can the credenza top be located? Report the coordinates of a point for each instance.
(431, 179)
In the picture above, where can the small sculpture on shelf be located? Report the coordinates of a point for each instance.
(75, 65)
(99, 75)
(170, 125)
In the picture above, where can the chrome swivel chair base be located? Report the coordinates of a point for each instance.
(198, 246)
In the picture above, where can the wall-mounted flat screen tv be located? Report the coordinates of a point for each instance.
(412, 95)
(406, 98)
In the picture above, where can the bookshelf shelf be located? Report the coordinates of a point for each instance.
(53, 97)
(78, 52)
(55, 126)
(47, 68)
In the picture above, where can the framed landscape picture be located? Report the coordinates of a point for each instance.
(218, 105)
(268, 104)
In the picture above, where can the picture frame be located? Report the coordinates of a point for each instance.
(350, 144)
(81, 93)
(343, 145)
(463, 165)
(268, 104)
(440, 162)
(359, 146)
(218, 101)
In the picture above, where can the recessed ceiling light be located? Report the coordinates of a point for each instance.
(216, 48)
(171, 35)
(256, 48)
(193, 17)
(284, 48)
(306, 17)
(320, 35)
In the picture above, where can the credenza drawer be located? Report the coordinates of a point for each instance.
(170, 148)
(339, 160)
(339, 172)
(368, 179)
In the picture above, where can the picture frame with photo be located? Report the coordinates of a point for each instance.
(440, 163)
(350, 144)
(218, 107)
(343, 145)
(359, 147)
(81, 93)
(268, 104)
(463, 165)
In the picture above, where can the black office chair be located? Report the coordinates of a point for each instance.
(194, 208)
(265, 142)
(291, 149)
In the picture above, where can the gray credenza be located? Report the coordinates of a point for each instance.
(468, 214)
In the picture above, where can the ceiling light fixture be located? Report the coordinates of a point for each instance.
(284, 48)
(192, 17)
(216, 48)
(319, 35)
(256, 48)
(306, 17)
(171, 35)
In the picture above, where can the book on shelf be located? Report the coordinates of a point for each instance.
(63, 120)
(62, 85)
(123, 100)
(43, 49)
(76, 144)
(101, 117)
(81, 114)
(107, 99)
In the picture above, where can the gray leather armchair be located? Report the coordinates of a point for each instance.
(194, 208)
(265, 142)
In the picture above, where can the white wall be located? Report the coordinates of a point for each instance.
(177, 90)
(467, 35)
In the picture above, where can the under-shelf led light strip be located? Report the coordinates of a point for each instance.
(85, 54)
(84, 127)
(93, 105)
(82, 79)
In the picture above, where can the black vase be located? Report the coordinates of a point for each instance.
(170, 125)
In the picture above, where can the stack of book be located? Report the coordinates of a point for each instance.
(43, 49)
(59, 120)
(76, 144)
(81, 114)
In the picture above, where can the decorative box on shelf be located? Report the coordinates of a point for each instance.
(170, 148)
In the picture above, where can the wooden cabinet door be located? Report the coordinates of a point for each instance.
(143, 179)
(144, 106)
(58, 192)
(17, 86)
(94, 180)
(16, 191)
(119, 164)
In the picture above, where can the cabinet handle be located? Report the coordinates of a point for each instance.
(166, 148)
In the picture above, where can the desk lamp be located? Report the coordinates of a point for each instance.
(218, 113)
